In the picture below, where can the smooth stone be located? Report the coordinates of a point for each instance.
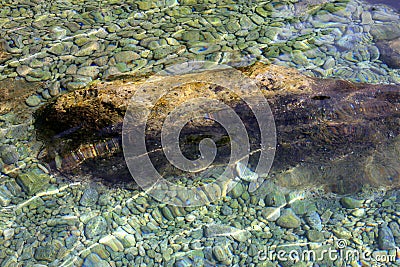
(23, 70)
(58, 32)
(163, 52)
(166, 212)
(315, 236)
(358, 212)
(5, 196)
(76, 85)
(88, 49)
(215, 230)
(390, 52)
(351, 203)
(9, 154)
(271, 214)
(302, 206)
(54, 89)
(222, 254)
(33, 181)
(275, 199)
(89, 197)
(93, 260)
(191, 36)
(226, 210)
(60, 48)
(341, 232)
(101, 251)
(91, 71)
(288, 219)
(95, 227)
(126, 56)
(385, 238)
(45, 253)
(237, 190)
(112, 242)
(33, 101)
(8, 233)
(314, 220)
(395, 228)
(385, 31)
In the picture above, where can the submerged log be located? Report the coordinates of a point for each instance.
(330, 133)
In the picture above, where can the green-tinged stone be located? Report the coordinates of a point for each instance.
(101, 250)
(351, 203)
(91, 71)
(302, 206)
(45, 253)
(288, 219)
(237, 191)
(233, 26)
(271, 213)
(58, 49)
(191, 36)
(88, 49)
(262, 12)
(257, 19)
(341, 232)
(122, 67)
(166, 212)
(315, 236)
(33, 181)
(126, 56)
(215, 21)
(112, 242)
(33, 100)
(95, 227)
(144, 5)
(163, 52)
(222, 254)
(93, 260)
(275, 199)
(9, 154)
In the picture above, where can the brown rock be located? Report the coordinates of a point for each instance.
(390, 52)
(329, 132)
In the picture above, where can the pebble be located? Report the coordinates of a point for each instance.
(9, 154)
(89, 197)
(351, 203)
(33, 181)
(271, 214)
(33, 100)
(288, 219)
(95, 227)
(112, 242)
(93, 260)
(313, 219)
(385, 238)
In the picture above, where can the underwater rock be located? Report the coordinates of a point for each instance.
(33, 181)
(325, 127)
(351, 203)
(288, 219)
(385, 238)
(390, 52)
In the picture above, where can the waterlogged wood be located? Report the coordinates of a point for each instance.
(332, 133)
